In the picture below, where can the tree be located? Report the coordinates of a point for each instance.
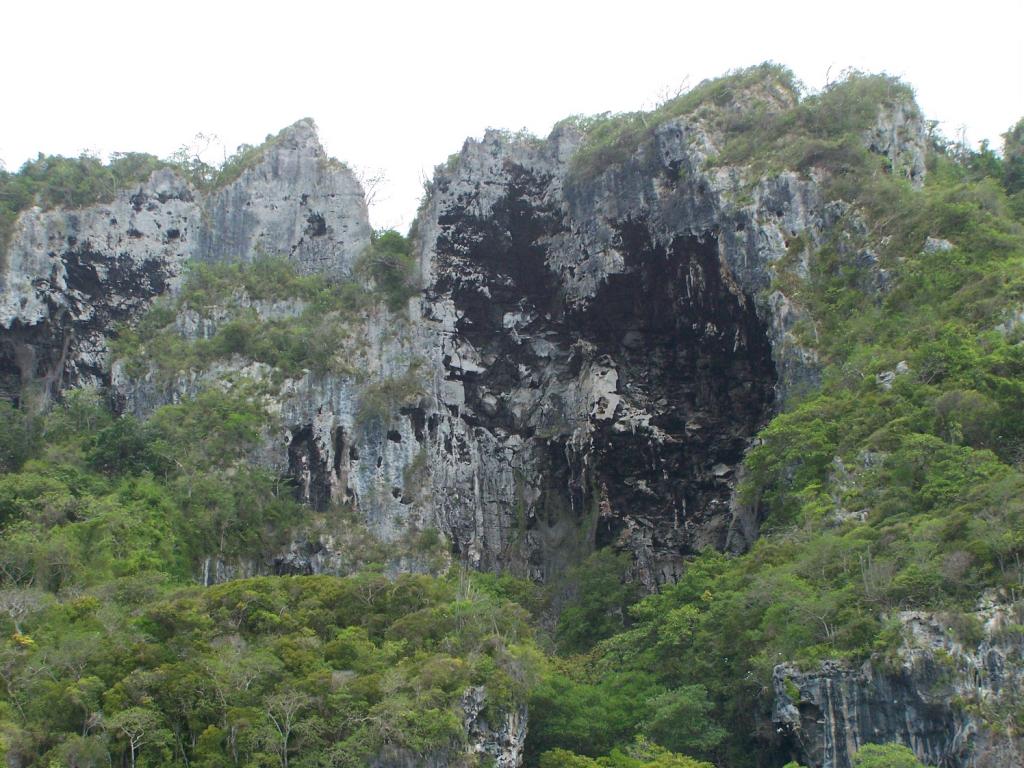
(283, 711)
(602, 597)
(681, 720)
(19, 602)
(139, 727)
(18, 437)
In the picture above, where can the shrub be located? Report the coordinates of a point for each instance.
(390, 264)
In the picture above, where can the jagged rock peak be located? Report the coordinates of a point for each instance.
(71, 274)
(301, 134)
(292, 200)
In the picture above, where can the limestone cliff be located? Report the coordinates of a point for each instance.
(587, 359)
(939, 695)
(72, 274)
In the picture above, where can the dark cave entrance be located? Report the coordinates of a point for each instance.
(695, 381)
(691, 352)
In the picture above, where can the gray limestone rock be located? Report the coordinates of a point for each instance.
(295, 201)
(71, 275)
(900, 134)
(585, 366)
(938, 697)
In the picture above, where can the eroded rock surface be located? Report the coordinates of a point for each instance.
(607, 348)
(587, 362)
(935, 698)
(72, 274)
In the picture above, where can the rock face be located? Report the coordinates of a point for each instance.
(296, 202)
(607, 347)
(72, 274)
(587, 362)
(901, 135)
(934, 698)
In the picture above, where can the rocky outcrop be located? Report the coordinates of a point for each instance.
(586, 365)
(296, 201)
(952, 699)
(901, 135)
(499, 745)
(606, 347)
(71, 275)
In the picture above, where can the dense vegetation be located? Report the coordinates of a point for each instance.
(897, 485)
(113, 653)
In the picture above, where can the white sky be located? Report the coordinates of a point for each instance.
(397, 86)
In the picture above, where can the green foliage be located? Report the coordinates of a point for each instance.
(286, 668)
(602, 596)
(18, 435)
(112, 497)
(680, 721)
(267, 312)
(588, 716)
(640, 754)
(391, 266)
(100, 539)
(261, 310)
(612, 138)
(885, 756)
(820, 131)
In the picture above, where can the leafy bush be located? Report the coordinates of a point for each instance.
(601, 597)
(265, 311)
(640, 754)
(885, 756)
(262, 670)
(390, 264)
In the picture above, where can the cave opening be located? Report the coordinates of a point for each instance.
(691, 361)
(693, 357)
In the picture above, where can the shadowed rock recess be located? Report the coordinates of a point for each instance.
(606, 357)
